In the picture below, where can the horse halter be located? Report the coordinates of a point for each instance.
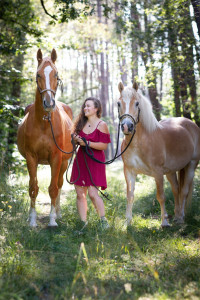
(129, 116)
(59, 82)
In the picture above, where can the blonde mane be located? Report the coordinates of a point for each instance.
(147, 116)
(46, 59)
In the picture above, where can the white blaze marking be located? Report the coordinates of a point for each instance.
(47, 72)
(127, 99)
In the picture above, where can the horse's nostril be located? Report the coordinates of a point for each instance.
(130, 127)
(122, 127)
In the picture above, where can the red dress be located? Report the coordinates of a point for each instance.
(97, 170)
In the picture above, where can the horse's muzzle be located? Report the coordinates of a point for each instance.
(49, 105)
(127, 127)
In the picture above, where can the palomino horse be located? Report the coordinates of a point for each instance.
(157, 149)
(35, 141)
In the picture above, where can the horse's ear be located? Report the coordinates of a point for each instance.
(135, 85)
(120, 87)
(39, 56)
(53, 55)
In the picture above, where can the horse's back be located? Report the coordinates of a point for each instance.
(182, 133)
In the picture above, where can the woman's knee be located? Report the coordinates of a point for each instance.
(81, 193)
(93, 193)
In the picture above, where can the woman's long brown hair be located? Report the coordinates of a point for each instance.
(82, 119)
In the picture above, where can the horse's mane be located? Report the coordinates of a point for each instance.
(147, 116)
(46, 59)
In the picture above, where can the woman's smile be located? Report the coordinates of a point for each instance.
(89, 108)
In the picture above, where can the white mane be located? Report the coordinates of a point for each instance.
(147, 116)
(46, 59)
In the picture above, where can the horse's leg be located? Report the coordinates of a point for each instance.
(161, 199)
(186, 184)
(33, 188)
(53, 188)
(60, 184)
(130, 178)
(172, 178)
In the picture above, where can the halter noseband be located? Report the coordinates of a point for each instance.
(59, 81)
(129, 116)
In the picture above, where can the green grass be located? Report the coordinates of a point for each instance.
(142, 261)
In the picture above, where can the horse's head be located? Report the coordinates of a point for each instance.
(47, 79)
(128, 106)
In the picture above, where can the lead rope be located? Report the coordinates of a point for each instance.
(91, 154)
(105, 195)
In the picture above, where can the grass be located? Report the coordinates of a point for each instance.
(142, 261)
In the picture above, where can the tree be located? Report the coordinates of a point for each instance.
(16, 21)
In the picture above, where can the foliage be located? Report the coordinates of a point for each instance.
(143, 261)
(99, 43)
(17, 20)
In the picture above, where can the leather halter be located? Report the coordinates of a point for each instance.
(59, 81)
(129, 116)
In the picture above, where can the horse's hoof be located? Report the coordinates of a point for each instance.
(52, 224)
(165, 224)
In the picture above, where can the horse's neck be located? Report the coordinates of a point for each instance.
(39, 110)
(140, 133)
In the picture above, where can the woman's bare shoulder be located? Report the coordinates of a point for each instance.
(103, 127)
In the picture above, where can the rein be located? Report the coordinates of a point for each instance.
(90, 153)
(48, 118)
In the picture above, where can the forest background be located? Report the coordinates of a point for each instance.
(99, 43)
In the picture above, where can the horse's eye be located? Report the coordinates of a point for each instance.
(118, 104)
(38, 75)
(136, 103)
(56, 75)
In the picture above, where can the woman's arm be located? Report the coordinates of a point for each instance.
(97, 145)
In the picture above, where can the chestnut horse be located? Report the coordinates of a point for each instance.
(170, 147)
(34, 138)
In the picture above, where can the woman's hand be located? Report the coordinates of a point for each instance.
(78, 140)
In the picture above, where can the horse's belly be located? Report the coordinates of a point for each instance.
(43, 162)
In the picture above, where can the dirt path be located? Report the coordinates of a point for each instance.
(43, 204)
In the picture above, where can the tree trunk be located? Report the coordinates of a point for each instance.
(173, 53)
(196, 7)
(134, 42)
(187, 41)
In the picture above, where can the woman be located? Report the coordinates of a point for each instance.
(95, 131)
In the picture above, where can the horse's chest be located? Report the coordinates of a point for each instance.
(41, 145)
(137, 163)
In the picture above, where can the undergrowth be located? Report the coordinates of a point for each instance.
(142, 261)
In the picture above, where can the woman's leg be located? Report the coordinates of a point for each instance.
(81, 192)
(96, 200)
